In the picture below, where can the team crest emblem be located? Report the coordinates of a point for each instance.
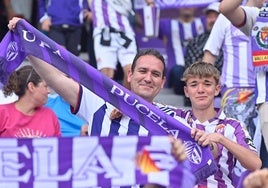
(12, 51)
(262, 38)
(193, 152)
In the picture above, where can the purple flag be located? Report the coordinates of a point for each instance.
(33, 42)
(91, 162)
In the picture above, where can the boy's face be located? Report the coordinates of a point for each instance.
(201, 92)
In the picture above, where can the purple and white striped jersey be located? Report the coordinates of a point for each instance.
(230, 128)
(237, 70)
(262, 77)
(178, 36)
(97, 112)
(106, 16)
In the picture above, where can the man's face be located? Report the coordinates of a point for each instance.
(201, 92)
(211, 17)
(147, 78)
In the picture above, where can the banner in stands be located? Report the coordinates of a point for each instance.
(90, 162)
(138, 4)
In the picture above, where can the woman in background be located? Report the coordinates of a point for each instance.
(27, 117)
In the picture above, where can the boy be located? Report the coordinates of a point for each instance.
(210, 126)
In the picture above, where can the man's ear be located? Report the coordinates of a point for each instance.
(163, 82)
(129, 74)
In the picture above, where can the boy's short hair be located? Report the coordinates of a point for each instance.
(202, 70)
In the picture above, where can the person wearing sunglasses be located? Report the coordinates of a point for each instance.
(27, 117)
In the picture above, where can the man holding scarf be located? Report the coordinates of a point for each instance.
(146, 79)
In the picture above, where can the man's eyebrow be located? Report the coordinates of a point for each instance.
(140, 68)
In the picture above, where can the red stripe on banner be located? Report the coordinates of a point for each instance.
(260, 58)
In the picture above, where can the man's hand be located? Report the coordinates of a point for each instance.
(84, 130)
(115, 114)
(13, 22)
(45, 26)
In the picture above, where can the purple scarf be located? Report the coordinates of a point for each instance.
(91, 162)
(28, 40)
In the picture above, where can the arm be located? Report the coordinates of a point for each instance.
(42, 10)
(215, 40)
(87, 14)
(64, 86)
(232, 10)
(245, 156)
(44, 18)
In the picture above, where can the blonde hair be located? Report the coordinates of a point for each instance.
(202, 70)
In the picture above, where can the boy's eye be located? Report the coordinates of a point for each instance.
(193, 85)
(208, 83)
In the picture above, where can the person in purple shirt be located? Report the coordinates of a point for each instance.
(176, 34)
(238, 76)
(253, 22)
(226, 137)
(62, 21)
